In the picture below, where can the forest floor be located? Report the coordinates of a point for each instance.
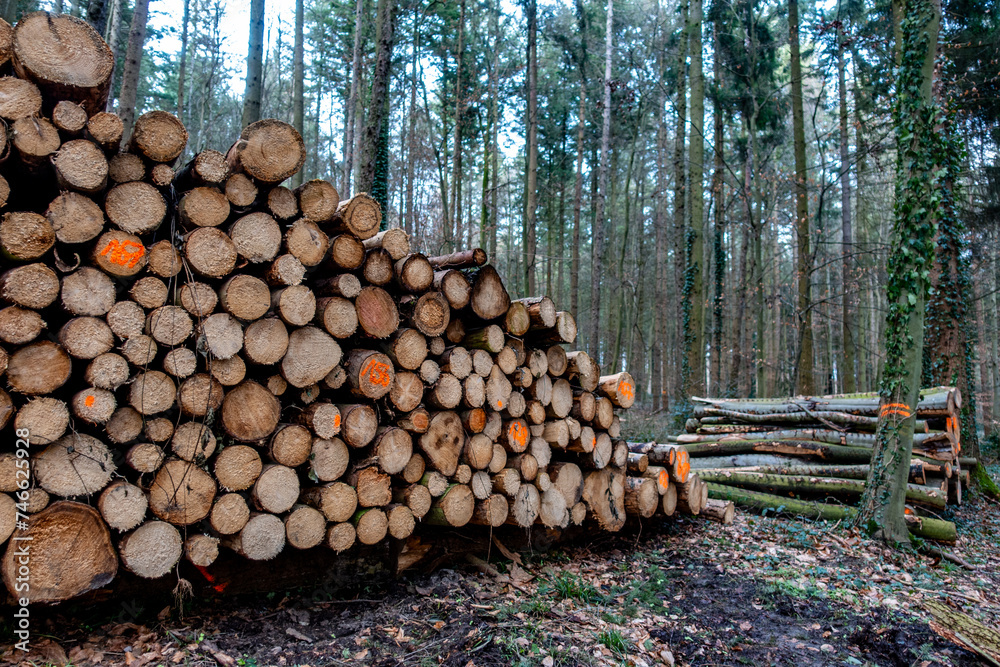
(761, 591)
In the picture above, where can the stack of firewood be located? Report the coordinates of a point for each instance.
(201, 358)
(782, 453)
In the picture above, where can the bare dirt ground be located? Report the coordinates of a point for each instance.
(762, 591)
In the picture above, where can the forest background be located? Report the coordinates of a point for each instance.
(649, 164)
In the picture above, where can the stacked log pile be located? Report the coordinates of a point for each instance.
(199, 357)
(786, 452)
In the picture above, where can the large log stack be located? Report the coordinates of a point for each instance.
(202, 358)
(788, 452)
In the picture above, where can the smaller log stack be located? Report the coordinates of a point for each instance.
(788, 452)
(203, 359)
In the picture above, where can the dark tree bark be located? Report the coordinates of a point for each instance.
(379, 96)
(352, 102)
(881, 512)
(531, 168)
(182, 69)
(602, 188)
(298, 74)
(694, 284)
(803, 261)
(133, 61)
(255, 64)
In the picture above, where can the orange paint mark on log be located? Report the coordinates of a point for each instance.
(901, 409)
(626, 391)
(378, 372)
(336, 422)
(664, 479)
(518, 434)
(89, 401)
(683, 465)
(125, 253)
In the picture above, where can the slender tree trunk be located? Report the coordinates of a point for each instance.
(680, 195)
(409, 222)
(378, 105)
(298, 76)
(531, 168)
(602, 188)
(659, 338)
(182, 69)
(694, 284)
(133, 62)
(456, 156)
(97, 14)
(111, 31)
(882, 505)
(714, 384)
(495, 134)
(255, 64)
(849, 344)
(352, 101)
(805, 384)
(574, 271)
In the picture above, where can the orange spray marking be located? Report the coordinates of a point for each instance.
(208, 576)
(125, 253)
(901, 409)
(626, 390)
(664, 479)
(378, 372)
(336, 422)
(518, 434)
(89, 401)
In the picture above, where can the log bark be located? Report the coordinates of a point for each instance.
(465, 259)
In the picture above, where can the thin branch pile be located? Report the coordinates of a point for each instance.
(787, 454)
(198, 357)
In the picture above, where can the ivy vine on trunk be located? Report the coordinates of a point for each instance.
(920, 154)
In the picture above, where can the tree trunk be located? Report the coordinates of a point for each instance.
(133, 61)
(597, 250)
(805, 383)
(849, 343)
(694, 318)
(455, 227)
(377, 113)
(255, 65)
(881, 508)
(680, 190)
(352, 103)
(531, 168)
(182, 68)
(714, 383)
(298, 74)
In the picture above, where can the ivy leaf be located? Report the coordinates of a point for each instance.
(912, 298)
